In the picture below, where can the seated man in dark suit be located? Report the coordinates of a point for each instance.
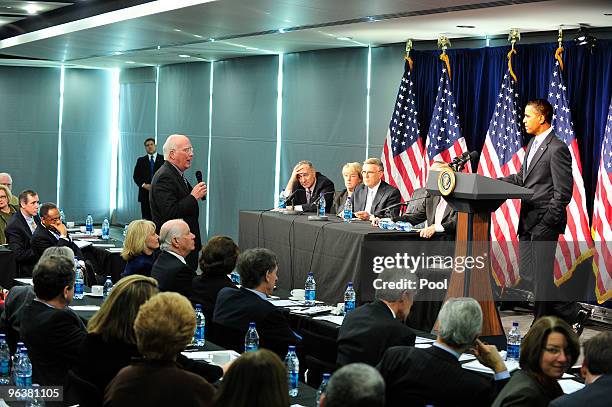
(374, 195)
(368, 331)
(51, 331)
(597, 372)
(170, 269)
(52, 232)
(418, 377)
(19, 230)
(308, 185)
(235, 308)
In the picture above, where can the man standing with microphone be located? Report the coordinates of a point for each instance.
(172, 196)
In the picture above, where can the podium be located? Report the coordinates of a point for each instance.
(474, 197)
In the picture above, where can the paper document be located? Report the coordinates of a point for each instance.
(28, 281)
(570, 386)
(420, 339)
(85, 307)
(284, 303)
(218, 357)
(466, 356)
(82, 243)
(103, 245)
(313, 310)
(476, 366)
(115, 249)
(334, 319)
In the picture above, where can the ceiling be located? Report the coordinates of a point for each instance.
(119, 34)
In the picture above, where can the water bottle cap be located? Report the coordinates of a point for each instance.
(198, 306)
(326, 376)
(2, 335)
(515, 324)
(108, 277)
(291, 348)
(251, 324)
(310, 273)
(350, 284)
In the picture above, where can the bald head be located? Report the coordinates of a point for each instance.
(178, 151)
(176, 237)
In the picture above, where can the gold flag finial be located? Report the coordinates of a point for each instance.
(560, 37)
(514, 36)
(443, 43)
(407, 56)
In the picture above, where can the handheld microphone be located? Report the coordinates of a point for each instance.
(198, 175)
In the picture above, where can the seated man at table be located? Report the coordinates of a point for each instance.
(368, 331)
(434, 375)
(52, 232)
(19, 230)
(170, 269)
(374, 195)
(354, 385)
(308, 184)
(51, 331)
(235, 308)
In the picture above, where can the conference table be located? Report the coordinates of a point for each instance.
(337, 252)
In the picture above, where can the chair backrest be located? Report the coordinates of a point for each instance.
(90, 274)
(79, 391)
(321, 352)
(227, 337)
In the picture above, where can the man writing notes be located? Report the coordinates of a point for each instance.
(547, 170)
(374, 194)
(143, 174)
(172, 196)
(308, 185)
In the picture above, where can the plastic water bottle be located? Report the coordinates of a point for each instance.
(105, 229)
(34, 401)
(235, 277)
(24, 370)
(16, 357)
(200, 328)
(78, 280)
(322, 204)
(348, 209)
(310, 287)
(125, 229)
(281, 200)
(293, 370)
(514, 342)
(349, 298)
(5, 362)
(251, 340)
(322, 388)
(89, 224)
(62, 217)
(108, 287)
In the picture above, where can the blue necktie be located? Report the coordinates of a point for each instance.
(151, 165)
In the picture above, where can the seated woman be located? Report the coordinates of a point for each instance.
(548, 350)
(255, 379)
(351, 172)
(110, 344)
(164, 326)
(6, 210)
(140, 248)
(217, 260)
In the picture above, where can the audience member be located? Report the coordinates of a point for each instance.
(7, 181)
(235, 308)
(170, 269)
(6, 211)
(415, 376)
(51, 331)
(368, 331)
(140, 248)
(548, 350)
(351, 173)
(308, 185)
(255, 379)
(164, 326)
(355, 385)
(52, 232)
(217, 260)
(374, 195)
(19, 232)
(145, 168)
(597, 372)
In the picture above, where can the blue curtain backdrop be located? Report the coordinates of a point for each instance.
(476, 78)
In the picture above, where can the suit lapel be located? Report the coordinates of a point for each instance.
(378, 197)
(538, 154)
(431, 211)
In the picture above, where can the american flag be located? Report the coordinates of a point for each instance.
(444, 139)
(403, 152)
(575, 245)
(602, 218)
(503, 155)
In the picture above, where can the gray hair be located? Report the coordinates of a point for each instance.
(170, 144)
(355, 385)
(59, 251)
(7, 175)
(397, 275)
(169, 230)
(460, 322)
(374, 161)
(306, 162)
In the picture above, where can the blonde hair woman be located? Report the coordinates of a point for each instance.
(351, 173)
(6, 210)
(140, 248)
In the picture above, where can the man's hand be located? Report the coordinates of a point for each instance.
(147, 186)
(374, 220)
(428, 232)
(60, 228)
(489, 356)
(363, 215)
(199, 191)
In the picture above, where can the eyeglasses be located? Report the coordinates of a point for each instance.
(370, 173)
(186, 150)
(3, 197)
(556, 351)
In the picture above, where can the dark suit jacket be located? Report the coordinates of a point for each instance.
(171, 199)
(550, 176)
(368, 331)
(18, 236)
(18, 297)
(322, 185)
(522, 390)
(596, 394)
(204, 291)
(425, 210)
(142, 174)
(53, 337)
(386, 195)
(416, 377)
(172, 274)
(141, 264)
(43, 239)
(339, 200)
(235, 308)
